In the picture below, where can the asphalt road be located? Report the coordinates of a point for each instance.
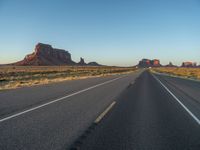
(126, 112)
(52, 117)
(155, 113)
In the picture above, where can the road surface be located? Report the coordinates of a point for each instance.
(147, 116)
(51, 117)
(134, 111)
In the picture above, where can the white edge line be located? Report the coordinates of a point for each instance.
(105, 112)
(175, 76)
(189, 112)
(59, 99)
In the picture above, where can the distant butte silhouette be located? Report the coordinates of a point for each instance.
(46, 55)
(149, 63)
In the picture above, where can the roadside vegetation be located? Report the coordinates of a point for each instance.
(193, 73)
(20, 76)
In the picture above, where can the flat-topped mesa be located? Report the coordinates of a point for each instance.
(149, 63)
(189, 64)
(45, 54)
(47, 51)
(42, 48)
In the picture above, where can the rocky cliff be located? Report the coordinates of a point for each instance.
(149, 63)
(82, 62)
(189, 64)
(45, 54)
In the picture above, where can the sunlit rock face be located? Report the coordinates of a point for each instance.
(45, 54)
(149, 63)
(189, 64)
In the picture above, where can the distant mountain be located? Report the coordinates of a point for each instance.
(46, 55)
(149, 63)
(189, 64)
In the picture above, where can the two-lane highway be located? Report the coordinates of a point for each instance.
(139, 111)
(147, 116)
(51, 117)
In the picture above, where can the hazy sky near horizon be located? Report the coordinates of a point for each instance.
(111, 32)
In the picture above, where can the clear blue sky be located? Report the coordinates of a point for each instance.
(112, 32)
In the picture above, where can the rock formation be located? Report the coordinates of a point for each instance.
(149, 63)
(189, 64)
(44, 54)
(82, 62)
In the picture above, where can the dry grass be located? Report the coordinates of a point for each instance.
(193, 73)
(19, 76)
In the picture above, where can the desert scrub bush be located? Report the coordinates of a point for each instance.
(183, 72)
(19, 76)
